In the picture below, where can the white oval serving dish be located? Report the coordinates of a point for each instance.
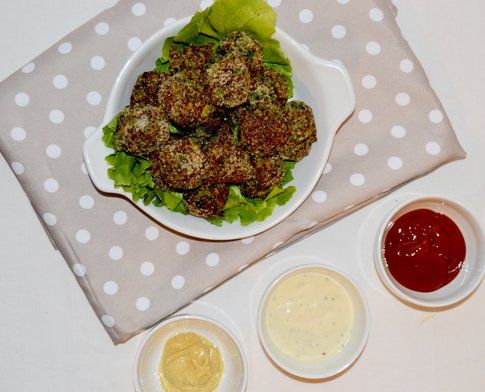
(324, 85)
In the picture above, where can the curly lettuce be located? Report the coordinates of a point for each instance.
(132, 174)
(224, 17)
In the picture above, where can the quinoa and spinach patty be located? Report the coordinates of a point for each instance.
(211, 132)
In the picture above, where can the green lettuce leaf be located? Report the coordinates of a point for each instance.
(217, 22)
(289, 165)
(109, 132)
(247, 210)
(132, 175)
(174, 130)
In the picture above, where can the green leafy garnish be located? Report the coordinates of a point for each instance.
(109, 132)
(132, 174)
(224, 17)
(255, 210)
(289, 165)
(173, 130)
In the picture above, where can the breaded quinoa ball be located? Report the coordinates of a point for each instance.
(268, 85)
(179, 164)
(185, 100)
(190, 57)
(262, 129)
(242, 44)
(268, 173)
(227, 162)
(146, 88)
(207, 201)
(303, 134)
(229, 81)
(141, 130)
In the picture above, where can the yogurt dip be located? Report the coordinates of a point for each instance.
(309, 315)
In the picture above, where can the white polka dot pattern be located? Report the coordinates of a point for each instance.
(98, 63)
(56, 116)
(319, 196)
(60, 82)
(79, 270)
(116, 253)
(436, 116)
(108, 321)
(147, 268)
(306, 16)
(369, 81)
(152, 233)
(178, 282)
(134, 43)
(102, 28)
(142, 304)
(373, 48)
(183, 248)
(338, 32)
(365, 116)
(126, 258)
(51, 185)
(49, 219)
(22, 99)
(120, 218)
(65, 48)
(18, 134)
(274, 3)
(110, 287)
(212, 259)
(17, 167)
(28, 68)
(53, 151)
(138, 9)
(433, 148)
(86, 202)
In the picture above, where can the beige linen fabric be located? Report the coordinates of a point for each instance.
(133, 271)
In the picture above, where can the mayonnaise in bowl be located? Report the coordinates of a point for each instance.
(313, 321)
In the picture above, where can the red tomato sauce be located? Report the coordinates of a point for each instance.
(424, 250)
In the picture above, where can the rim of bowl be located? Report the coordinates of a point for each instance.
(379, 261)
(173, 319)
(363, 341)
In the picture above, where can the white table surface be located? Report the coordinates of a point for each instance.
(50, 339)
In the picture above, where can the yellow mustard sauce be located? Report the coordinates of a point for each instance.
(190, 363)
(309, 316)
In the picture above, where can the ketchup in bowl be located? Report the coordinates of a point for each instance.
(424, 250)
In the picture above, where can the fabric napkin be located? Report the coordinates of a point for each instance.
(134, 271)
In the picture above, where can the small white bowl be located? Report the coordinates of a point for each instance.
(145, 372)
(351, 350)
(473, 268)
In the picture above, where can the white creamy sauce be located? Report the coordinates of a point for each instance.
(309, 316)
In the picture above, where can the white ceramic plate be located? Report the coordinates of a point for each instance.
(324, 85)
(145, 371)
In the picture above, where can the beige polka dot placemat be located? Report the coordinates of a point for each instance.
(133, 271)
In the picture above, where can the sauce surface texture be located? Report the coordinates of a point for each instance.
(424, 250)
(190, 363)
(309, 316)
